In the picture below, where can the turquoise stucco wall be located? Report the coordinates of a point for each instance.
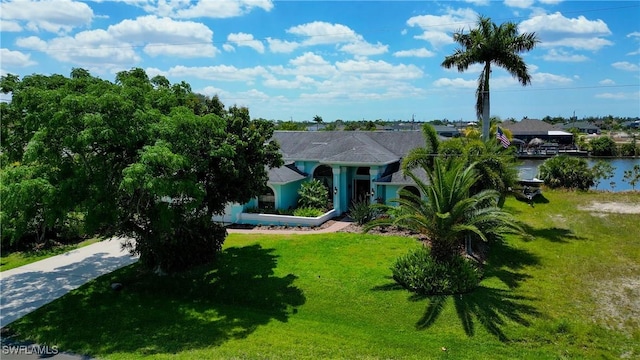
(287, 195)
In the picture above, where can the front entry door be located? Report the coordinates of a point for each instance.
(362, 188)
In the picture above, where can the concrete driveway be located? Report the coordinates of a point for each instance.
(31, 286)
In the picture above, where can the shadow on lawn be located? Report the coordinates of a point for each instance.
(491, 307)
(152, 315)
(554, 234)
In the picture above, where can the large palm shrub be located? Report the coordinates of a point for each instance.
(450, 212)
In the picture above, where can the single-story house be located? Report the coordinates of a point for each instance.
(529, 129)
(353, 165)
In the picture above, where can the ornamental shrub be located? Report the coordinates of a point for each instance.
(308, 212)
(567, 172)
(419, 272)
(313, 194)
(362, 212)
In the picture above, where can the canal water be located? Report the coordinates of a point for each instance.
(529, 169)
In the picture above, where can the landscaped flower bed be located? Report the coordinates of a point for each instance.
(284, 220)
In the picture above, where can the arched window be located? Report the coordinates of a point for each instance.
(267, 201)
(324, 173)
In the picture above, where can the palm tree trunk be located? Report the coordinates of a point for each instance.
(486, 114)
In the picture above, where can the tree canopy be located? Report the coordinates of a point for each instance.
(137, 157)
(488, 44)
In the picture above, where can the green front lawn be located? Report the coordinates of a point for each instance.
(570, 292)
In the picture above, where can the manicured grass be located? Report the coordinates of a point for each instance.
(330, 296)
(15, 259)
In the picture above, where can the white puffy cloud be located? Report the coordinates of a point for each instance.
(379, 69)
(322, 33)
(522, 4)
(281, 46)
(437, 29)
(243, 39)
(115, 47)
(421, 53)
(187, 9)
(165, 36)
(228, 48)
(218, 72)
(363, 48)
(49, 15)
(15, 58)
(619, 96)
(10, 26)
(456, 83)
(299, 82)
(478, 2)
(94, 49)
(563, 56)
(607, 82)
(547, 78)
(578, 33)
(626, 66)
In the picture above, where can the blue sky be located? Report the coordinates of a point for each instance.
(347, 60)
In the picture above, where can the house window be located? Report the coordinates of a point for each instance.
(267, 201)
(324, 174)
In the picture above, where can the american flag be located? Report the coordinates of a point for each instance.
(503, 138)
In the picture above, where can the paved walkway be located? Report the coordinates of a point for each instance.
(31, 286)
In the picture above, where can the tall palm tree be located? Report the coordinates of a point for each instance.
(318, 120)
(449, 213)
(486, 44)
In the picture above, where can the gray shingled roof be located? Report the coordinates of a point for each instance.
(397, 178)
(285, 174)
(348, 147)
(528, 127)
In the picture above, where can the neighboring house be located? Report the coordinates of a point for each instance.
(528, 129)
(582, 126)
(353, 165)
(447, 131)
(631, 124)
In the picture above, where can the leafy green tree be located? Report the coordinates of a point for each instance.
(602, 170)
(137, 157)
(352, 126)
(290, 126)
(603, 146)
(632, 176)
(488, 44)
(368, 126)
(450, 212)
(567, 172)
